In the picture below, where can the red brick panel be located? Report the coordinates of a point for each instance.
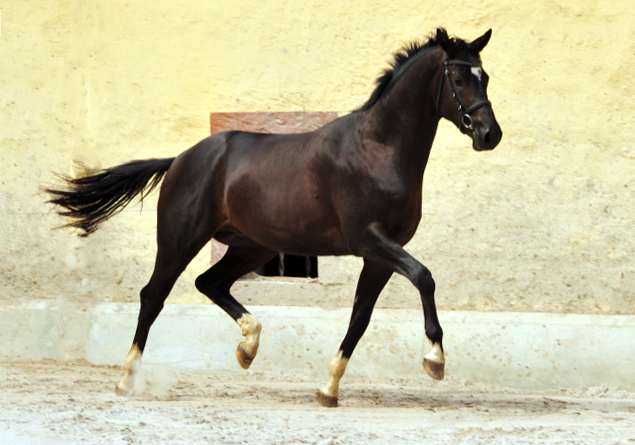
(275, 122)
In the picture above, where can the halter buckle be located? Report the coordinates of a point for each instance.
(467, 122)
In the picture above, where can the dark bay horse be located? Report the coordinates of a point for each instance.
(352, 187)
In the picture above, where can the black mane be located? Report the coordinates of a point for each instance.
(400, 61)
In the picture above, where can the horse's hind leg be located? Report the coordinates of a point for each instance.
(169, 266)
(177, 245)
(372, 280)
(216, 282)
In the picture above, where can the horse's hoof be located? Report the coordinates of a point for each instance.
(436, 370)
(121, 392)
(243, 358)
(326, 401)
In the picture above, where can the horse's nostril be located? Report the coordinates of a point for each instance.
(492, 137)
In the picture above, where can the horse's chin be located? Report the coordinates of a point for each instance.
(478, 147)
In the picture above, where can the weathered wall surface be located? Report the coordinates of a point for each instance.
(543, 223)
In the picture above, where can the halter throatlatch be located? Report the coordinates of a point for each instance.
(466, 119)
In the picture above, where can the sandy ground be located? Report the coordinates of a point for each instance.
(62, 403)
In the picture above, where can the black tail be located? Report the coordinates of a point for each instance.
(92, 199)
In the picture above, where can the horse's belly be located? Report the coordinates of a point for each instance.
(298, 229)
(299, 238)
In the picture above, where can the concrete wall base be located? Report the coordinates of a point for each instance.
(523, 350)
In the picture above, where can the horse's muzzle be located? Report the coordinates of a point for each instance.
(486, 137)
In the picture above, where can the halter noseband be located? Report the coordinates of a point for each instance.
(466, 120)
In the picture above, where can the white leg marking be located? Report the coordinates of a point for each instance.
(336, 371)
(131, 366)
(251, 327)
(436, 354)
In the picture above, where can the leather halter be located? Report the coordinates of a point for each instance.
(466, 119)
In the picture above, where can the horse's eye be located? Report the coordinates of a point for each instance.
(458, 82)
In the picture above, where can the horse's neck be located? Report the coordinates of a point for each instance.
(406, 117)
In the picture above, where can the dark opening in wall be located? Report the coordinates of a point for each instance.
(290, 266)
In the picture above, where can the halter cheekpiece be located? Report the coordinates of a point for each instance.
(466, 119)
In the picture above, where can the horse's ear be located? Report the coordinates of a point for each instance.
(481, 42)
(442, 39)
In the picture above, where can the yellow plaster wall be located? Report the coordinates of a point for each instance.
(543, 223)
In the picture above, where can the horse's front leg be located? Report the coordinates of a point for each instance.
(372, 280)
(376, 246)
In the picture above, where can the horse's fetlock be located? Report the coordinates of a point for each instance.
(434, 334)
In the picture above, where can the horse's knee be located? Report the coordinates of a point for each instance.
(425, 282)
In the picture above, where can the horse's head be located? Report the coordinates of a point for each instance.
(462, 94)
